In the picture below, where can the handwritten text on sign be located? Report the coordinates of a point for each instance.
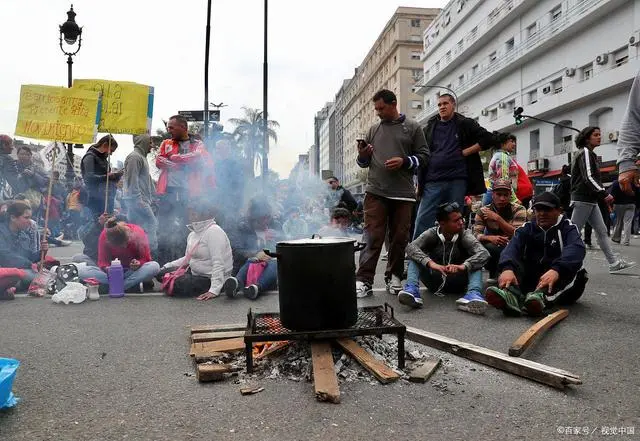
(126, 107)
(58, 114)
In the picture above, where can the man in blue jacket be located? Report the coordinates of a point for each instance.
(542, 264)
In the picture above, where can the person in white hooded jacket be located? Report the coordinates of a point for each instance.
(208, 256)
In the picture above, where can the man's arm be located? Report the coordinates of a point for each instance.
(629, 137)
(511, 257)
(479, 227)
(419, 151)
(423, 242)
(363, 161)
(349, 200)
(586, 169)
(162, 160)
(89, 167)
(479, 255)
(482, 138)
(188, 158)
(573, 252)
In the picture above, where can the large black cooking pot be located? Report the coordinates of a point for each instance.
(317, 283)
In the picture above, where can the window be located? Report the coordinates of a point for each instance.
(556, 85)
(448, 56)
(534, 144)
(415, 104)
(492, 57)
(474, 70)
(427, 103)
(415, 22)
(562, 138)
(621, 56)
(395, 59)
(461, 80)
(437, 68)
(460, 46)
(586, 72)
(556, 13)
(493, 114)
(509, 45)
(510, 106)
(493, 14)
(416, 73)
(473, 33)
(533, 96)
(532, 30)
(415, 55)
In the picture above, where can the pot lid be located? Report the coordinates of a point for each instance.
(318, 241)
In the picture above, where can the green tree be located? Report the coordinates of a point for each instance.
(250, 136)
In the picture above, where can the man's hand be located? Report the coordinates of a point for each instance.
(453, 269)
(134, 265)
(507, 278)
(115, 176)
(104, 217)
(394, 163)
(628, 179)
(262, 256)
(207, 296)
(44, 246)
(488, 214)
(608, 199)
(550, 278)
(439, 268)
(499, 241)
(365, 150)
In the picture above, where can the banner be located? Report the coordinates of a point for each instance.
(47, 155)
(58, 114)
(126, 107)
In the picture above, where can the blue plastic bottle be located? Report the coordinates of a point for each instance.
(115, 274)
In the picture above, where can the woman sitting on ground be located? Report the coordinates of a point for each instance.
(129, 244)
(18, 249)
(208, 256)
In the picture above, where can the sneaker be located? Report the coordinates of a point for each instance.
(230, 287)
(620, 265)
(534, 303)
(503, 299)
(410, 296)
(363, 289)
(251, 292)
(615, 241)
(148, 286)
(472, 302)
(394, 285)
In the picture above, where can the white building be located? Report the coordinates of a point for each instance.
(327, 141)
(568, 61)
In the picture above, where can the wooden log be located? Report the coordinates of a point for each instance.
(216, 328)
(277, 346)
(381, 371)
(541, 373)
(201, 337)
(423, 370)
(212, 372)
(539, 328)
(211, 348)
(325, 381)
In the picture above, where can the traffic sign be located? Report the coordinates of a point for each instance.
(198, 115)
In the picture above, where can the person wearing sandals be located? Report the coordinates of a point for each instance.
(208, 255)
(542, 264)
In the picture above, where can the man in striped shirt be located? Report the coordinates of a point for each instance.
(495, 223)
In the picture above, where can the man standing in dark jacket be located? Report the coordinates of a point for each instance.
(453, 169)
(392, 150)
(587, 190)
(95, 168)
(337, 194)
(542, 263)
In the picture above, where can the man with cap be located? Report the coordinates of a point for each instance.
(542, 263)
(495, 223)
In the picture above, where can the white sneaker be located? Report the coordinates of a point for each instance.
(620, 265)
(394, 285)
(363, 289)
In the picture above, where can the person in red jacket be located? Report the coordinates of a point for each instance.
(186, 172)
(129, 244)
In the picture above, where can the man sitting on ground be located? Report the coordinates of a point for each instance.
(542, 263)
(495, 223)
(450, 260)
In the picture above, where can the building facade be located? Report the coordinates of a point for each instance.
(568, 61)
(393, 62)
(326, 146)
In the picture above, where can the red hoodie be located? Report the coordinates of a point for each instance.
(136, 248)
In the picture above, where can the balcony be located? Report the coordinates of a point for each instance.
(546, 37)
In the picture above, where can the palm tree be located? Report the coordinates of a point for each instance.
(249, 133)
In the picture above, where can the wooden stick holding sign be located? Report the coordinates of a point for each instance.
(106, 191)
(46, 211)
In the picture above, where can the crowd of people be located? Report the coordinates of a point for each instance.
(422, 184)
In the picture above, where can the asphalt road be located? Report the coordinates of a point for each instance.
(115, 369)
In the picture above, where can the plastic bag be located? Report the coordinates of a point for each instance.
(8, 368)
(40, 284)
(74, 292)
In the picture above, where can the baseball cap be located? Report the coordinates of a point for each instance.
(547, 199)
(502, 184)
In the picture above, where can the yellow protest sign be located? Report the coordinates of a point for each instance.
(126, 107)
(58, 114)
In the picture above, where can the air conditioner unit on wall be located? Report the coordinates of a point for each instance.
(634, 40)
(546, 89)
(532, 166)
(543, 164)
(570, 72)
(484, 112)
(613, 136)
(602, 59)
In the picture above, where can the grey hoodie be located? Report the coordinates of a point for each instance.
(629, 138)
(137, 180)
(466, 250)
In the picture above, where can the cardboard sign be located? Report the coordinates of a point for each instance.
(126, 107)
(58, 114)
(54, 150)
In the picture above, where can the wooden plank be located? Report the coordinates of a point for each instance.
(525, 368)
(201, 337)
(539, 328)
(250, 390)
(215, 328)
(210, 348)
(423, 370)
(325, 381)
(381, 371)
(212, 372)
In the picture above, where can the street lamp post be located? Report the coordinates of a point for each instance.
(70, 33)
(265, 125)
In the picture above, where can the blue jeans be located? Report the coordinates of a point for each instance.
(267, 281)
(131, 278)
(455, 284)
(141, 214)
(434, 194)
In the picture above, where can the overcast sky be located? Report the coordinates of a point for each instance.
(313, 46)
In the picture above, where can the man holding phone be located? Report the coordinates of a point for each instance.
(392, 150)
